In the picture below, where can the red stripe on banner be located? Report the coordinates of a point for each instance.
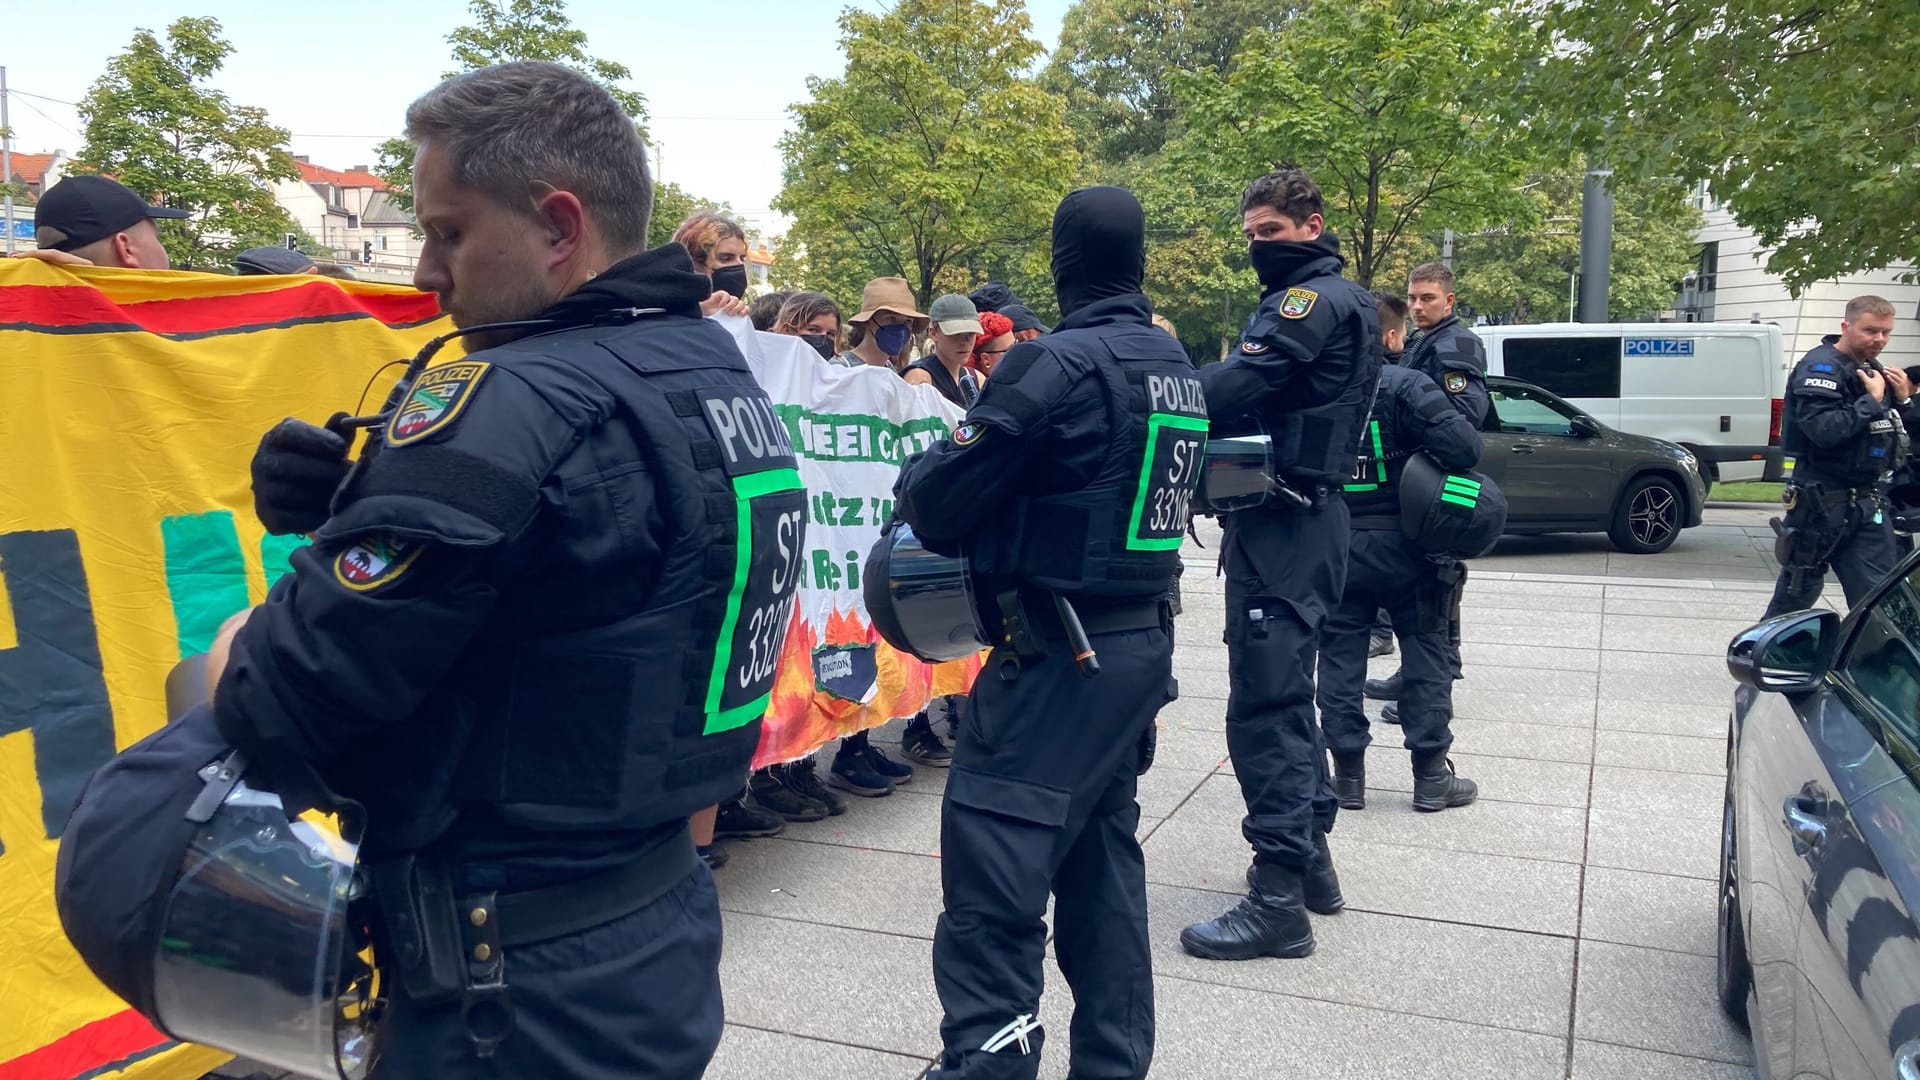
(67, 306)
(87, 1050)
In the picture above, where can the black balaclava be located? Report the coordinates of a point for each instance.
(1099, 246)
(1279, 262)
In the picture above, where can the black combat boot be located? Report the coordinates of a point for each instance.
(1387, 689)
(1271, 921)
(1350, 780)
(1321, 882)
(1435, 787)
(1391, 714)
(1379, 643)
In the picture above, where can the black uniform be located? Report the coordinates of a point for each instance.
(1454, 357)
(1846, 445)
(1071, 476)
(1385, 569)
(538, 632)
(1304, 371)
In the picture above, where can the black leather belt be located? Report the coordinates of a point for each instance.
(558, 910)
(1107, 618)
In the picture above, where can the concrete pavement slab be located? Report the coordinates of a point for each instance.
(1493, 601)
(1653, 1000)
(1663, 718)
(1604, 1061)
(1655, 911)
(1471, 701)
(1531, 831)
(1638, 840)
(1659, 795)
(832, 983)
(1531, 681)
(861, 889)
(1503, 738)
(752, 1054)
(1677, 689)
(1475, 654)
(1521, 981)
(909, 824)
(1671, 753)
(1648, 633)
(1501, 779)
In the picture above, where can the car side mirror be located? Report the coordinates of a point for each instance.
(1584, 427)
(1787, 654)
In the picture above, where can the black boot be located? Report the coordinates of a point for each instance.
(1387, 689)
(1321, 882)
(1391, 714)
(1435, 787)
(1271, 921)
(1379, 643)
(1350, 781)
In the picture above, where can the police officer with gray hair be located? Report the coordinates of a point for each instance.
(1068, 488)
(537, 625)
(1388, 569)
(1304, 372)
(1844, 424)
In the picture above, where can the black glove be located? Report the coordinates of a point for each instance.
(296, 470)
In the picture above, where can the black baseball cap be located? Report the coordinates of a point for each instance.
(81, 209)
(1024, 319)
(272, 260)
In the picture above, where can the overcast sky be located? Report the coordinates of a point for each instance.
(718, 77)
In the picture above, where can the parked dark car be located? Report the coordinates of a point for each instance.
(1820, 840)
(1564, 471)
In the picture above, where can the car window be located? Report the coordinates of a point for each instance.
(1523, 413)
(1882, 661)
(1573, 367)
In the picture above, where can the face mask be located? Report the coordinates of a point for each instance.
(892, 339)
(731, 279)
(1276, 261)
(822, 343)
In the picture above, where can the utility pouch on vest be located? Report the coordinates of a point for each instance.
(445, 947)
(1017, 629)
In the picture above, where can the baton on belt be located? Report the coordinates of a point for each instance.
(1083, 655)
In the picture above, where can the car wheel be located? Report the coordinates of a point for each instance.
(1733, 978)
(1647, 518)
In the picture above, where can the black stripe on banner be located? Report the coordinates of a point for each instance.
(131, 1059)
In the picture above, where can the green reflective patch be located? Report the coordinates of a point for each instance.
(1459, 500)
(1379, 457)
(745, 490)
(1463, 485)
(1361, 487)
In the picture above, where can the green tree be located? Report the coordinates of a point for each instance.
(504, 31)
(932, 150)
(1523, 275)
(1794, 112)
(1401, 110)
(153, 123)
(673, 204)
(1118, 58)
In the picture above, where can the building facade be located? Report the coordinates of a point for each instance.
(352, 214)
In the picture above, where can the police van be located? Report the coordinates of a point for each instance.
(1714, 388)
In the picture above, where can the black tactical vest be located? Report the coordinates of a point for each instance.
(1317, 445)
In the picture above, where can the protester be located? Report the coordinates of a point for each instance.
(880, 333)
(1026, 326)
(955, 327)
(91, 220)
(996, 337)
(813, 317)
(765, 310)
(1393, 325)
(1166, 324)
(993, 296)
(271, 260)
(719, 249)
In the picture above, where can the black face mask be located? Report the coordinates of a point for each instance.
(822, 343)
(731, 279)
(1278, 261)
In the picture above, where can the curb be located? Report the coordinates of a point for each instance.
(1712, 505)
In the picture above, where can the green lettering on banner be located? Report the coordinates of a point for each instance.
(857, 436)
(206, 575)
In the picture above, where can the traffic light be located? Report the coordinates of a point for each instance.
(293, 241)
(366, 252)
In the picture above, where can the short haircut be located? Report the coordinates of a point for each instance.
(1391, 308)
(802, 308)
(1868, 305)
(1436, 273)
(513, 126)
(701, 235)
(765, 309)
(1289, 191)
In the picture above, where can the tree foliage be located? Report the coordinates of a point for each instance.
(502, 32)
(1523, 275)
(1117, 60)
(154, 124)
(673, 204)
(932, 150)
(1794, 112)
(1397, 108)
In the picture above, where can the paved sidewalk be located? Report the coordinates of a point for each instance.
(1561, 927)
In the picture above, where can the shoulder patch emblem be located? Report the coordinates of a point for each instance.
(375, 560)
(968, 434)
(435, 401)
(1823, 384)
(1823, 367)
(1297, 303)
(1456, 382)
(1254, 348)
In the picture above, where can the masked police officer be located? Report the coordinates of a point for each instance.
(1304, 371)
(1071, 477)
(539, 625)
(1387, 569)
(1448, 352)
(1843, 423)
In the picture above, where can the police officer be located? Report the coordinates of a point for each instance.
(1843, 423)
(1304, 371)
(1453, 356)
(1071, 477)
(1386, 569)
(539, 625)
